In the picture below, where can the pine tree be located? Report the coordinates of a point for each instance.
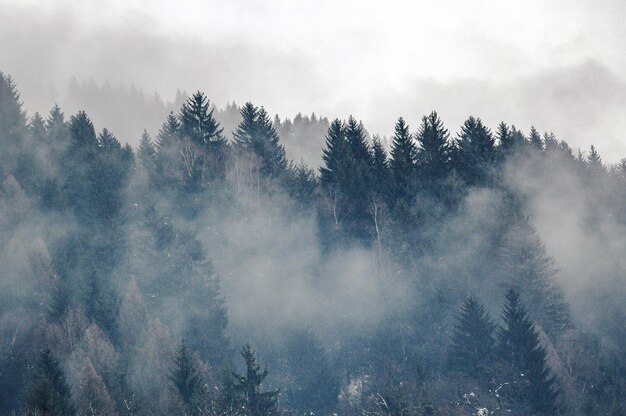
(473, 345)
(198, 124)
(185, 378)
(474, 152)
(594, 163)
(49, 392)
(530, 383)
(434, 151)
(403, 163)
(535, 139)
(251, 400)
(146, 153)
(526, 268)
(256, 136)
(334, 155)
(380, 165)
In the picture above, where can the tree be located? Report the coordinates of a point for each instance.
(251, 401)
(535, 139)
(473, 345)
(185, 377)
(434, 152)
(146, 153)
(594, 163)
(403, 163)
(49, 392)
(257, 137)
(198, 125)
(380, 165)
(528, 374)
(334, 155)
(474, 152)
(526, 268)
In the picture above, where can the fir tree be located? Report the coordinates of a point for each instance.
(526, 268)
(535, 139)
(403, 162)
(146, 153)
(434, 150)
(251, 400)
(185, 378)
(380, 164)
(474, 152)
(49, 392)
(334, 155)
(473, 344)
(530, 383)
(256, 136)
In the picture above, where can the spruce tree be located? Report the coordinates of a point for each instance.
(473, 345)
(334, 155)
(185, 378)
(526, 268)
(251, 401)
(535, 139)
(434, 151)
(530, 384)
(49, 392)
(403, 163)
(380, 165)
(474, 152)
(256, 136)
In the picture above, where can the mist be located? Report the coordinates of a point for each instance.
(321, 204)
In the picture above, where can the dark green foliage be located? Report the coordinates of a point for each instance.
(256, 136)
(473, 345)
(146, 153)
(474, 152)
(526, 268)
(403, 163)
(250, 400)
(198, 125)
(380, 166)
(48, 391)
(434, 151)
(535, 139)
(527, 373)
(334, 155)
(185, 378)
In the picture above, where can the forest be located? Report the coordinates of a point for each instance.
(205, 272)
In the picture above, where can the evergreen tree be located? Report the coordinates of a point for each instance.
(49, 392)
(198, 124)
(256, 136)
(146, 153)
(594, 163)
(473, 345)
(185, 378)
(37, 128)
(169, 132)
(526, 268)
(434, 150)
(334, 155)
(530, 383)
(380, 165)
(535, 139)
(251, 400)
(474, 152)
(403, 163)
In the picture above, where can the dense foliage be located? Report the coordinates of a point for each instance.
(129, 277)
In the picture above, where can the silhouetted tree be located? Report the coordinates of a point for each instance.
(530, 384)
(473, 345)
(251, 401)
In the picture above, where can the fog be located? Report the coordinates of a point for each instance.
(550, 65)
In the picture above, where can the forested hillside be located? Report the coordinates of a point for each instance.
(447, 272)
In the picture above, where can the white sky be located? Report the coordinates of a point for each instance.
(376, 60)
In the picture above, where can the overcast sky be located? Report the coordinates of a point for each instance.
(557, 64)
